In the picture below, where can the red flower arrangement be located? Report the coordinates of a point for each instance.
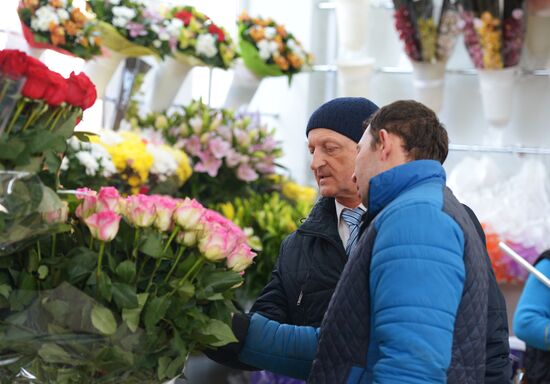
(39, 109)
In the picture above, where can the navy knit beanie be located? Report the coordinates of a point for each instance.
(344, 115)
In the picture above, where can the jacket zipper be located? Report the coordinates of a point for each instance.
(300, 298)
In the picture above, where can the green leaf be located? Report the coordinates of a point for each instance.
(126, 271)
(255, 63)
(186, 291)
(103, 320)
(105, 286)
(81, 265)
(57, 308)
(155, 310)
(5, 290)
(218, 333)
(221, 281)
(84, 136)
(67, 128)
(125, 296)
(11, 149)
(53, 353)
(131, 316)
(152, 244)
(163, 363)
(176, 366)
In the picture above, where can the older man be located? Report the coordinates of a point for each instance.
(415, 301)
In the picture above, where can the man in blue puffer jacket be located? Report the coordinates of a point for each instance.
(411, 304)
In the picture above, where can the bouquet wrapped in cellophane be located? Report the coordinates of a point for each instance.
(135, 286)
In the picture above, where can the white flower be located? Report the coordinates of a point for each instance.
(270, 33)
(64, 164)
(206, 45)
(63, 14)
(124, 12)
(88, 161)
(164, 163)
(264, 49)
(74, 143)
(43, 17)
(196, 124)
(120, 22)
(157, 43)
(164, 36)
(174, 27)
(111, 138)
(114, 2)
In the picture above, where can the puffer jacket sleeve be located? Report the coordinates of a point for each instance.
(416, 283)
(532, 317)
(280, 348)
(273, 301)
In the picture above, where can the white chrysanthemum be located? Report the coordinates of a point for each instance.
(174, 27)
(103, 158)
(164, 35)
(270, 33)
(43, 17)
(164, 163)
(120, 22)
(111, 138)
(63, 14)
(88, 161)
(206, 45)
(264, 48)
(114, 2)
(124, 12)
(157, 43)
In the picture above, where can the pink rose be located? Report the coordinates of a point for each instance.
(241, 258)
(140, 210)
(108, 199)
(103, 225)
(187, 238)
(217, 243)
(189, 213)
(89, 202)
(59, 215)
(164, 207)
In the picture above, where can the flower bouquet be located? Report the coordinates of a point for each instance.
(429, 41)
(128, 29)
(132, 161)
(199, 42)
(38, 112)
(59, 25)
(137, 285)
(267, 49)
(270, 217)
(493, 33)
(230, 153)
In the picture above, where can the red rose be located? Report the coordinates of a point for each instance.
(13, 62)
(214, 30)
(57, 90)
(184, 16)
(37, 82)
(81, 91)
(34, 63)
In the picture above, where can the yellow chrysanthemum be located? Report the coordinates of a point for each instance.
(184, 170)
(299, 193)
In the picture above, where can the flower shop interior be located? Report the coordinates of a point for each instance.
(189, 109)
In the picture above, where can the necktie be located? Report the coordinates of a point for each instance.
(352, 217)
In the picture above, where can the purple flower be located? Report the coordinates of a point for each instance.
(246, 173)
(232, 158)
(266, 166)
(208, 164)
(152, 15)
(218, 147)
(136, 29)
(192, 145)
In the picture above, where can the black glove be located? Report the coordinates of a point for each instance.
(228, 355)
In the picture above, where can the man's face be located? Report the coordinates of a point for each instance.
(367, 165)
(332, 164)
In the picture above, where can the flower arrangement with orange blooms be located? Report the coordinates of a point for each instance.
(494, 32)
(59, 25)
(506, 269)
(201, 40)
(268, 49)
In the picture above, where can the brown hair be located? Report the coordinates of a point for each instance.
(423, 135)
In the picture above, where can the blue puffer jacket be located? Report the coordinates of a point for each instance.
(409, 271)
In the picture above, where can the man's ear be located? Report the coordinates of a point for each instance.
(386, 144)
